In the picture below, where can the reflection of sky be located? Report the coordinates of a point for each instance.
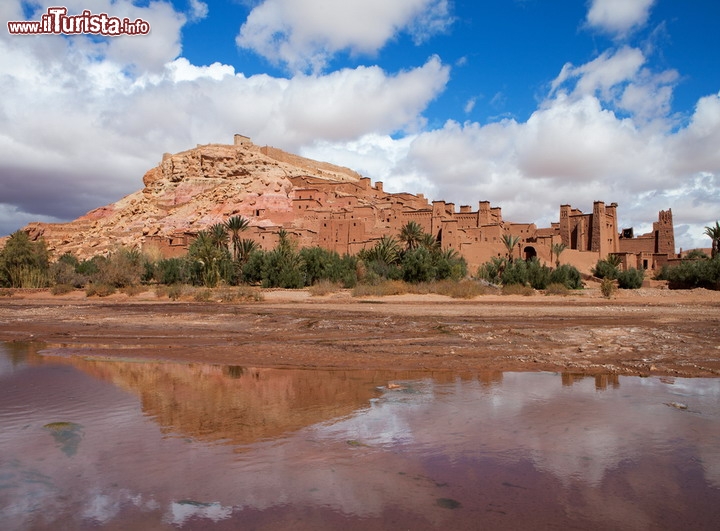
(575, 432)
(385, 455)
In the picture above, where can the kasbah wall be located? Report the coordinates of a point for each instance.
(349, 216)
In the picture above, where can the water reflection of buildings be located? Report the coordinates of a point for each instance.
(602, 381)
(242, 405)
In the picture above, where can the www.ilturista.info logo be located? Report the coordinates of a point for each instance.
(56, 21)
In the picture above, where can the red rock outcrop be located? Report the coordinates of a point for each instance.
(190, 191)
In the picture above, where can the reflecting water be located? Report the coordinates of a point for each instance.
(123, 444)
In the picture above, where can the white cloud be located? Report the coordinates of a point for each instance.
(618, 17)
(304, 34)
(78, 130)
(198, 10)
(82, 120)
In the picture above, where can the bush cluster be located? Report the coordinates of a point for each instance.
(219, 257)
(502, 271)
(689, 274)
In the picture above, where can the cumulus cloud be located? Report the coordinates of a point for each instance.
(198, 10)
(620, 79)
(305, 34)
(82, 119)
(618, 17)
(573, 149)
(78, 129)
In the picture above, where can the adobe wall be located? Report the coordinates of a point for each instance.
(351, 215)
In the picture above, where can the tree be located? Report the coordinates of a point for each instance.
(631, 279)
(386, 250)
(282, 267)
(714, 234)
(510, 242)
(608, 268)
(236, 225)
(219, 236)
(418, 266)
(557, 249)
(244, 249)
(411, 234)
(208, 255)
(24, 263)
(429, 241)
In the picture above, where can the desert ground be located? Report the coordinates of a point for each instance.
(650, 331)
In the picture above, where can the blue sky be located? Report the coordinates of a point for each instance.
(526, 103)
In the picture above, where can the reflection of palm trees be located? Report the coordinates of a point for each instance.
(714, 234)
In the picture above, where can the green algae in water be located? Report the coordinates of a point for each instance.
(67, 436)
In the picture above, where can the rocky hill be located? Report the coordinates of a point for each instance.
(190, 191)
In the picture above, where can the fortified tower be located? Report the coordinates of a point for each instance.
(665, 233)
(565, 225)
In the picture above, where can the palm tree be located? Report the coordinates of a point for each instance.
(510, 242)
(429, 241)
(205, 250)
(411, 234)
(714, 234)
(614, 260)
(386, 251)
(219, 236)
(244, 249)
(557, 249)
(236, 225)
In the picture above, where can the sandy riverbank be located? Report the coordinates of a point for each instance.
(639, 332)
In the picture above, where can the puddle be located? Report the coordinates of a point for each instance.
(93, 443)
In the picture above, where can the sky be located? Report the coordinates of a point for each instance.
(528, 104)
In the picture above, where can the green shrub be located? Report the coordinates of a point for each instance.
(202, 295)
(492, 270)
(557, 288)
(99, 289)
(324, 287)
(122, 268)
(24, 263)
(515, 273)
(418, 265)
(63, 272)
(132, 290)
(249, 293)
(171, 271)
(631, 278)
(465, 289)
(61, 289)
(382, 289)
(691, 274)
(663, 273)
(567, 275)
(538, 275)
(607, 287)
(606, 269)
(517, 289)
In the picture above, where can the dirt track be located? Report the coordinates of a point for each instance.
(641, 332)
